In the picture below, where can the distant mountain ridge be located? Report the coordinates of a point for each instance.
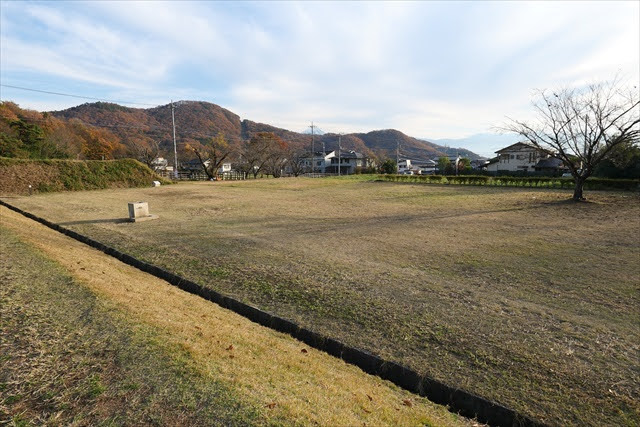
(198, 120)
(485, 144)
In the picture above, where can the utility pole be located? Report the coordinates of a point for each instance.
(324, 151)
(339, 148)
(313, 153)
(397, 156)
(175, 147)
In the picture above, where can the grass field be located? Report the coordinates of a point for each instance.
(70, 358)
(88, 340)
(517, 295)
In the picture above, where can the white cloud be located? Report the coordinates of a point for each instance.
(433, 68)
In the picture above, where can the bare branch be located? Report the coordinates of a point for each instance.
(581, 126)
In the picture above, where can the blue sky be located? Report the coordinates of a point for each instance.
(429, 69)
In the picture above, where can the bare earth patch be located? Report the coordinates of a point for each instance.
(513, 294)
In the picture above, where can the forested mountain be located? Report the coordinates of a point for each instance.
(388, 140)
(130, 130)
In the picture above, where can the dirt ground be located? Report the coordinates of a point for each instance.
(517, 295)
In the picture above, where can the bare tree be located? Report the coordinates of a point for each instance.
(296, 161)
(259, 150)
(582, 126)
(146, 153)
(212, 154)
(276, 157)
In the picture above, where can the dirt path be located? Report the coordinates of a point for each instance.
(282, 375)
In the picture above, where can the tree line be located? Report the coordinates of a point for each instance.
(594, 130)
(34, 135)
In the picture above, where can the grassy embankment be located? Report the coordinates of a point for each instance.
(68, 357)
(85, 339)
(517, 295)
(72, 175)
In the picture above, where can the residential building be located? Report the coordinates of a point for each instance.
(425, 167)
(404, 166)
(327, 161)
(160, 164)
(349, 161)
(523, 158)
(479, 164)
(318, 162)
(194, 165)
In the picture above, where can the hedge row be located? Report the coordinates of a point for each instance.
(512, 181)
(16, 175)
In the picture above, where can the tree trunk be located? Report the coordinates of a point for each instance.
(211, 175)
(577, 192)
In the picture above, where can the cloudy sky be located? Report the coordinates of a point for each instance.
(430, 69)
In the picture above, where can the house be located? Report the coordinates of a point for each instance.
(417, 167)
(349, 161)
(327, 161)
(425, 167)
(550, 166)
(479, 164)
(404, 166)
(518, 157)
(523, 158)
(194, 165)
(160, 164)
(318, 161)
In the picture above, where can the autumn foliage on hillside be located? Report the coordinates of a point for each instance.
(34, 135)
(102, 130)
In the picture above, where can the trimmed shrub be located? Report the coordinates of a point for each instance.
(518, 181)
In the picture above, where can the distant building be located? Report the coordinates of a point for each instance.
(160, 164)
(425, 167)
(317, 161)
(194, 165)
(404, 165)
(524, 158)
(479, 164)
(348, 161)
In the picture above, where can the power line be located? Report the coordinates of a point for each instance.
(76, 96)
(187, 131)
(313, 154)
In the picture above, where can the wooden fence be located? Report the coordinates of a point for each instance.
(201, 176)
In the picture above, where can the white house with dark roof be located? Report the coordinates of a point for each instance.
(425, 167)
(524, 158)
(318, 161)
(348, 160)
(327, 161)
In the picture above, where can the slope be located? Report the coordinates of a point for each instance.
(198, 120)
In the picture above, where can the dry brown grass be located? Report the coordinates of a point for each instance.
(514, 294)
(282, 376)
(70, 358)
